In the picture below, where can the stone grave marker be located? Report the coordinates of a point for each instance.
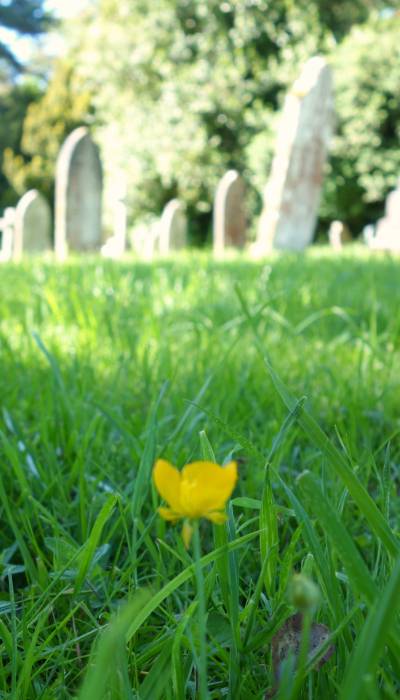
(387, 231)
(7, 228)
(172, 227)
(368, 234)
(144, 238)
(115, 246)
(292, 193)
(79, 185)
(32, 225)
(338, 235)
(229, 217)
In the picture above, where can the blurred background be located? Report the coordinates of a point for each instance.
(175, 92)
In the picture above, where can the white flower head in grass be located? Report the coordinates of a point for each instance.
(200, 490)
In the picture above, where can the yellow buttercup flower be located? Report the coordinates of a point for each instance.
(200, 490)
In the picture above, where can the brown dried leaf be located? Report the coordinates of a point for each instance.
(288, 641)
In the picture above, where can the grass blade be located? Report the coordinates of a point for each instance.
(106, 660)
(371, 642)
(93, 541)
(317, 436)
(181, 578)
(360, 578)
(357, 571)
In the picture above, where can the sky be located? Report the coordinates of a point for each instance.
(51, 42)
(65, 8)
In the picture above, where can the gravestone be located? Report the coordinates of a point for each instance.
(229, 224)
(387, 231)
(292, 194)
(172, 227)
(368, 234)
(79, 185)
(338, 235)
(144, 238)
(32, 225)
(115, 246)
(7, 227)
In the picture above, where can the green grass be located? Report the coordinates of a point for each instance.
(292, 367)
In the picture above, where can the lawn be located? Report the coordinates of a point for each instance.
(291, 366)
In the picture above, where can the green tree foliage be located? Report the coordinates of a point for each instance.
(14, 102)
(65, 105)
(184, 89)
(184, 86)
(188, 88)
(365, 161)
(27, 17)
(341, 16)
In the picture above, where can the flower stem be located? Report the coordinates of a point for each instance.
(202, 665)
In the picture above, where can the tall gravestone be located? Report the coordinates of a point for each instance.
(173, 227)
(292, 194)
(229, 217)
(387, 232)
(79, 185)
(32, 233)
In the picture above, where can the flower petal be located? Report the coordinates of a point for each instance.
(168, 514)
(205, 487)
(217, 517)
(168, 483)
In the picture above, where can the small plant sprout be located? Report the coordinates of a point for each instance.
(304, 593)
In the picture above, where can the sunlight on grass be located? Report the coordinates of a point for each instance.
(290, 368)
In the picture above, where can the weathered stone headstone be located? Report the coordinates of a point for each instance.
(292, 194)
(387, 231)
(367, 234)
(172, 227)
(144, 238)
(7, 228)
(32, 225)
(115, 246)
(79, 184)
(229, 225)
(338, 235)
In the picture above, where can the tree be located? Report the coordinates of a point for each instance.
(184, 89)
(27, 17)
(188, 88)
(365, 159)
(183, 86)
(65, 105)
(14, 102)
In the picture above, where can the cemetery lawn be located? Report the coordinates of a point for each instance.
(108, 365)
